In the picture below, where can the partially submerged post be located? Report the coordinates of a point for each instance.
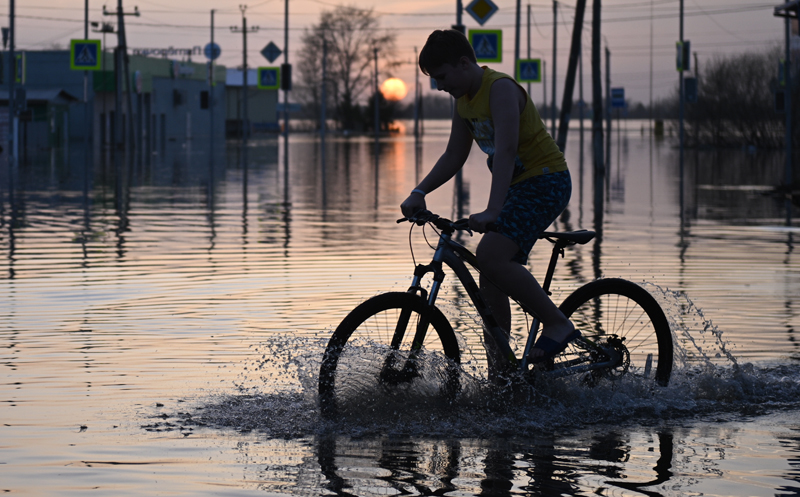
(789, 11)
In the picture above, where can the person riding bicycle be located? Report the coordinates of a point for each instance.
(530, 184)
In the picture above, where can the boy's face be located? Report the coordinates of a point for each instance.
(451, 78)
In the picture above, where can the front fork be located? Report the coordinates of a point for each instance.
(508, 359)
(420, 271)
(409, 370)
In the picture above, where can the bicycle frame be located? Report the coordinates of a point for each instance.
(454, 255)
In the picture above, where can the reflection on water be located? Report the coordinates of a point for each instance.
(163, 319)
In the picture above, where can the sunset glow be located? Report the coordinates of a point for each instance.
(394, 89)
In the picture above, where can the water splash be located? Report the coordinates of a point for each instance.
(698, 341)
(276, 392)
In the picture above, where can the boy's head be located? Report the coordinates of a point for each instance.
(445, 46)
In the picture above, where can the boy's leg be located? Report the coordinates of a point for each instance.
(502, 277)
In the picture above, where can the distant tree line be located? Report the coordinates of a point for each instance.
(736, 102)
(437, 106)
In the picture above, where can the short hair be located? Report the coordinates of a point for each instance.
(445, 46)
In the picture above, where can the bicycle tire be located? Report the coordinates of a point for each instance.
(361, 358)
(613, 306)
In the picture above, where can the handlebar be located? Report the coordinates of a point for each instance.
(562, 239)
(420, 218)
(423, 217)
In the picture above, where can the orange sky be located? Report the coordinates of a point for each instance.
(715, 27)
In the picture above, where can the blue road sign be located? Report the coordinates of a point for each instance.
(690, 90)
(529, 70)
(271, 52)
(617, 98)
(212, 51)
(21, 69)
(683, 56)
(487, 43)
(85, 55)
(269, 78)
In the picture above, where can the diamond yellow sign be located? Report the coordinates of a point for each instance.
(481, 10)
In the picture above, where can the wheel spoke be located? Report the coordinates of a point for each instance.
(609, 308)
(372, 359)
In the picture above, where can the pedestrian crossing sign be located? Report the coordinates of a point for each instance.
(487, 43)
(269, 78)
(529, 70)
(85, 55)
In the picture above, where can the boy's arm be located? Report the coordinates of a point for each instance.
(453, 158)
(504, 103)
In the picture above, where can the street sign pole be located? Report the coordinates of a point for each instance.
(211, 111)
(286, 65)
(680, 114)
(86, 129)
(12, 66)
(245, 82)
(553, 68)
(245, 129)
(516, 37)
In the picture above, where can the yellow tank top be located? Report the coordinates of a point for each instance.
(537, 152)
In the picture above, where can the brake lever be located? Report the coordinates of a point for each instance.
(463, 225)
(420, 218)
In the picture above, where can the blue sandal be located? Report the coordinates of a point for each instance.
(552, 348)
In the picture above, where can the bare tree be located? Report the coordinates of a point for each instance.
(349, 35)
(735, 103)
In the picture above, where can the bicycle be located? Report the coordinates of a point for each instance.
(624, 330)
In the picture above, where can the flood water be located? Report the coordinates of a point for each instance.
(163, 324)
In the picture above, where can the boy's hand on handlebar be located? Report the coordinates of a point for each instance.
(413, 204)
(480, 221)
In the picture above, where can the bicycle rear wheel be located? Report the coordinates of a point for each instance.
(385, 352)
(609, 309)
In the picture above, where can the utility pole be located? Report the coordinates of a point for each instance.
(790, 12)
(608, 105)
(245, 130)
(529, 42)
(323, 118)
(569, 83)
(12, 76)
(580, 91)
(211, 100)
(555, 40)
(105, 27)
(377, 101)
(544, 90)
(86, 129)
(597, 98)
(650, 111)
(681, 98)
(516, 38)
(416, 94)
(122, 73)
(286, 73)
(459, 12)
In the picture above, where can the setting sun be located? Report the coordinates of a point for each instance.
(394, 89)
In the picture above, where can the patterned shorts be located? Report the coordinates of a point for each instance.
(531, 207)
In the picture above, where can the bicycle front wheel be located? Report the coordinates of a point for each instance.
(393, 348)
(620, 314)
